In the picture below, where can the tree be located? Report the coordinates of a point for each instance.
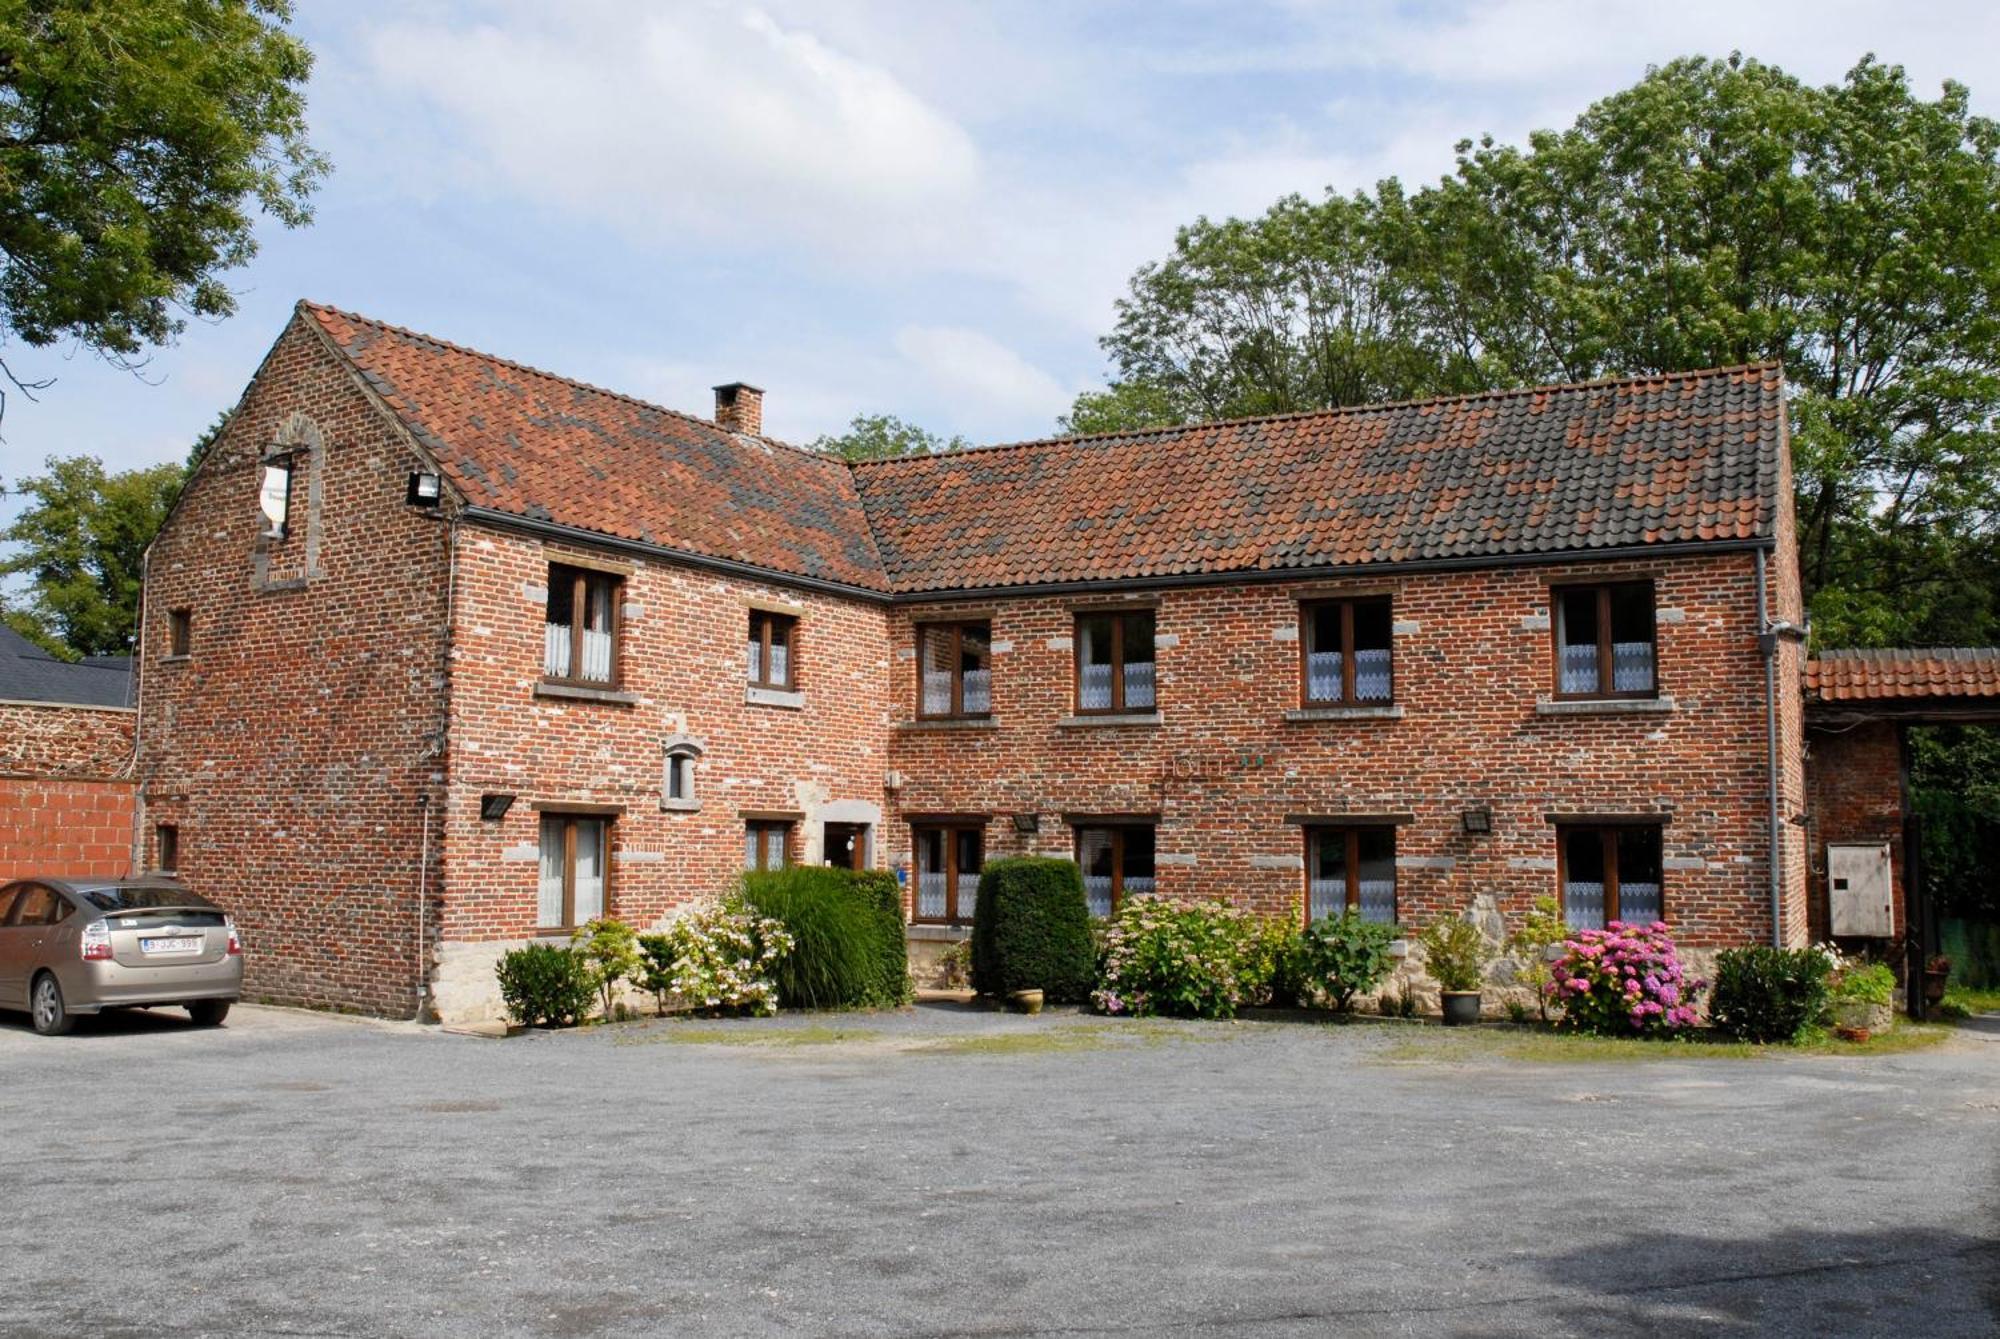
(884, 437)
(133, 137)
(82, 540)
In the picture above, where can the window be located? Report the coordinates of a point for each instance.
(573, 862)
(680, 774)
(1346, 648)
(39, 905)
(167, 848)
(580, 636)
(1604, 640)
(1610, 873)
(1117, 863)
(767, 845)
(955, 667)
(275, 498)
(1114, 662)
(1351, 869)
(180, 631)
(772, 637)
(949, 858)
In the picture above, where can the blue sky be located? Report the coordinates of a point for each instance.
(919, 208)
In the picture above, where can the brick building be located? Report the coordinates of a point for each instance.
(443, 653)
(65, 762)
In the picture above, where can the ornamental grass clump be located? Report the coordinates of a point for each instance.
(847, 937)
(718, 959)
(1623, 980)
(1185, 960)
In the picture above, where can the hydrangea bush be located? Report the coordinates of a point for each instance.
(719, 958)
(1182, 959)
(1623, 980)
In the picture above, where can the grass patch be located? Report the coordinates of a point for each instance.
(1964, 1001)
(1042, 1041)
(1467, 1045)
(811, 1034)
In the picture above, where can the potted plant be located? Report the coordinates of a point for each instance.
(1025, 1001)
(1861, 1000)
(1455, 954)
(1937, 972)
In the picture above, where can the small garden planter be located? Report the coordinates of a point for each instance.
(1460, 1007)
(1025, 1001)
(1861, 1016)
(1936, 975)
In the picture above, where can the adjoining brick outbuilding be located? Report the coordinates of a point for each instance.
(65, 762)
(443, 654)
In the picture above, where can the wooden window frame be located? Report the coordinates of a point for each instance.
(1351, 835)
(764, 624)
(167, 848)
(288, 461)
(1607, 831)
(762, 825)
(949, 831)
(1605, 678)
(1346, 605)
(1118, 833)
(569, 819)
(581, 579)
(1118, 619)
(957, 628)
(180, 632)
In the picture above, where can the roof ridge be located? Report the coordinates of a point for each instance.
(1882, 653)
(1336, 411)
(590, 386)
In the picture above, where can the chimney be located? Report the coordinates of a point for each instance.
(739, 407)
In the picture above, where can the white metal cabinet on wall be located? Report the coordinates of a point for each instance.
(1860, 890)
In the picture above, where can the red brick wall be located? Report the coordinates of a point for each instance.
(57, 827)
(1857, 796)
(1226, 767)
(52, 739)
(291, 748)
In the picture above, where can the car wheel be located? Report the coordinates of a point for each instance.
(52, 1017)
(208, 1013)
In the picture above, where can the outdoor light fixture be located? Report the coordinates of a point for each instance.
(1476, 822)
(493, 808)
(1027, 822)
(425, 489)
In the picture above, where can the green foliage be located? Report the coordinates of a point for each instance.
(133, 139)
(841, 935)
(955, 965)
(1186, 960)
(884, 437)
(1766, 994)
(609, 951)
(1864, 983)
(81, 540)
(1125, 406)
(1031, 930)
(1542, 928)
(717, 959)
(1455, 953)
(545, 985)
(1342, 956)
(1270, 966)
(888, 936)
(1955, 791)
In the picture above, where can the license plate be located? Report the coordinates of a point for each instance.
(170, 945)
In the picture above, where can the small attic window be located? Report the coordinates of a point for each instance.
(275, 499)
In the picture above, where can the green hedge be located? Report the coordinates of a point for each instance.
(847, 932)
(545, 984)
(1031, 930)
(1769, 994)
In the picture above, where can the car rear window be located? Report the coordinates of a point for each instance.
(145, 899)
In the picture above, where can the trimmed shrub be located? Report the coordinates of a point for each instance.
(545, 984)
(718, 959)
(1031, 930)
(609, 951)
(1623, 980)
(840, 928)
(1182, 959)
(1341, 956)
(888, 936)
(1769, 994)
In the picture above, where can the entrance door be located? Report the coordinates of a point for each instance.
(847, 845)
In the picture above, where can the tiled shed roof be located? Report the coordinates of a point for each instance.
(1687, 458)
(1880, 676)
(525, 442)
(1649, 460)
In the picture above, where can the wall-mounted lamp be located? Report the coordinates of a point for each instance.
(1027, 822)
(493, 808)
(1476, 822)
(425, 489)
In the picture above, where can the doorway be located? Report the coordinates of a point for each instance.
(846, 845)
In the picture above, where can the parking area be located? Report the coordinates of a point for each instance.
(946, 1172)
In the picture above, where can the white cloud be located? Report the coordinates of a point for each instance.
(981, 375)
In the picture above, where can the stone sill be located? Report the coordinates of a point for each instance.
(1389, 713)
(935, 933)
(578, 693)
(949, 723)
(1606, 706)
(680, 806)
(1125, 718)
(175, 660)
(774, 697)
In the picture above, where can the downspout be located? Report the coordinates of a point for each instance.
(131, 769)
(424, 798)
(1767, 646)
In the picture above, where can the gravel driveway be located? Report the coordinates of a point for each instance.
(944, 1172)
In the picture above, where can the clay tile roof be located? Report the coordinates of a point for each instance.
(516, 440)
(1647, 460)
(1876, 676)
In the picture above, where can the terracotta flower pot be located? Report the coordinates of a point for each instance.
(1460, 1007)
(1025, 1001)
(1934, 984)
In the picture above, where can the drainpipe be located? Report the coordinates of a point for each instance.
(1767, 646)
(137, 846)
(423, 895)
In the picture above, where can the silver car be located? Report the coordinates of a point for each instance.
(80, 946)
